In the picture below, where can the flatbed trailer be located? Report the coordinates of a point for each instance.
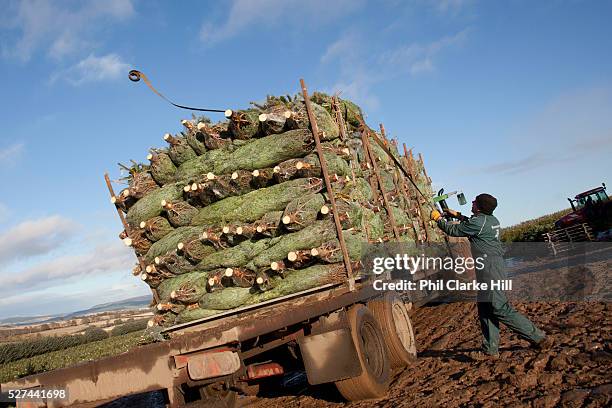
(352, 338)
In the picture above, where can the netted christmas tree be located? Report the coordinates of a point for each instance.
(236, 213)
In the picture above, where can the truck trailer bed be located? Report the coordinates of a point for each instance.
(154, 366)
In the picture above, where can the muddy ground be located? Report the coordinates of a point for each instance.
(576, 372)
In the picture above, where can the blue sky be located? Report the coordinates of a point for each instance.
(511, 98)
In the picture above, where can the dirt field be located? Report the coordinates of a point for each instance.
(574, 373)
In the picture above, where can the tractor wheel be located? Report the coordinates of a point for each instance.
(391, 313)
(371, 350)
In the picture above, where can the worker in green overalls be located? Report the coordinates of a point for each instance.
(482, 230)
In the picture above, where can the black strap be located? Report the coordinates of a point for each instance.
(136, 76)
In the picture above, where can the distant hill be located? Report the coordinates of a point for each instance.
(131, 303)
(126, 304)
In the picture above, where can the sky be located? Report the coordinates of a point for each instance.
(512, 98)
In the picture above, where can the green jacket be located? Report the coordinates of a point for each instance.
(482, 231)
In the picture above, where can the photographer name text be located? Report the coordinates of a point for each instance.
(453, 285)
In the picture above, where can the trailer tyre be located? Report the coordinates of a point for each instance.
(376, 370)
(392, 315)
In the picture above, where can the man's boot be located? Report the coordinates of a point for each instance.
(545, 344)
(483, 355)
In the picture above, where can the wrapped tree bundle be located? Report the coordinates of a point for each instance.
(170, 307)
(169, 242)
(302, 279)
(256, 154)
(228, 298)
(245, 124)
(274, 119)
(237, 256)
(149, 206)
(215, 136)
(195, 249)
(179, 150)
(139, 241)
(179, 213)
(196, 280)
(309, 166)
(162, 167)
(326, 124)
(269, 224)
(252, 206)
(156, 228)
(330, 251)
(350, 112)
(173, 263)
(194, 138)
(302, 211)
(194, 313)
(141, 183)
(307, 238)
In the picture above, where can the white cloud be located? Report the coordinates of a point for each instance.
(244, 14)
(93, 69)
(103, 259)
(444, 6)
(362, 67)
(416, 58)
(343, 48)
(4, 212)
(35, 237)
(60, 28)
(11, 153)
(572, 127)
(358, 88)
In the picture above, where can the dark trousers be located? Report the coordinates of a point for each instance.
(491, 314)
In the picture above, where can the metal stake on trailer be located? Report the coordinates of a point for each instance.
(354, 160)
(126, 227)
(340, 121)
(402, 185)
(409, 160)
(366, 142)
(332, 199)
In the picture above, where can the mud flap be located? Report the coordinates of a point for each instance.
(330, 356)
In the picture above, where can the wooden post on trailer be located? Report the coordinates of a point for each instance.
(328, 186)
(127, 229)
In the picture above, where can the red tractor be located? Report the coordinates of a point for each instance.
(592, 212)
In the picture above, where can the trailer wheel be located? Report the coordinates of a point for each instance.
(376, 370)
(218, 395)
(391, 313)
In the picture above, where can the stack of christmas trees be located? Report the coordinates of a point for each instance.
(235, 213)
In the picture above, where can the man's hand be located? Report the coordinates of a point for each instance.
(452, 213)
(435, 215)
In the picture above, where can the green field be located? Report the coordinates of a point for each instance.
(69, 356)
(532, 230)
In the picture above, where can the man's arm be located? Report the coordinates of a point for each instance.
(469, 228)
